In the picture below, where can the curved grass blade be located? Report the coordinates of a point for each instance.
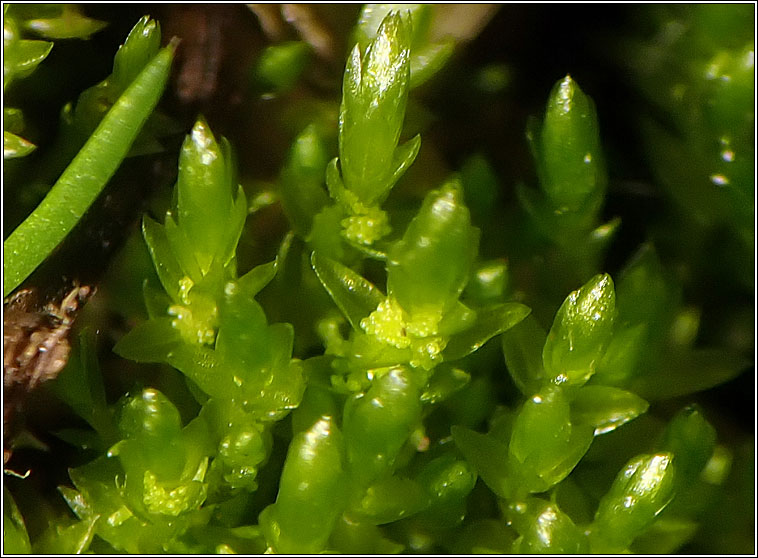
(87, 174)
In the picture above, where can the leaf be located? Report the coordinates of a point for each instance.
(427, 58)
(522, 348)
(545, 529)
(545, 445)
(540, 475)
(15, 537)
(641, 490)
(151, 341)
(350, 537)
(490, 321)
(402, 159)
(157, 301)
(13, 120)
(326, 233)
(302, 181)
(310, 492)
(427, 61)
(542, 427)
(605, 408)
(81, 386)
(375, 93)
(390, 500)
(235, 225)
(280, 66)
(665, 536)
(621, 361)
(378, 423)
(243, 340)
(15, 146)
(445, 381)
(141, 45)
(257, 278)
(429, 267)
(646, 294)
(581, 330)
(448, 481)
(204, 195)
(70, 24)
(352, 294)
(72, 537)
(166, 265)
(367, 353)
(571, 161)
(86, 176)
(21, 58)
(487, 456)
(689, 372)
(182, 249)
(692, 440)
(489, 279)
(145, 416)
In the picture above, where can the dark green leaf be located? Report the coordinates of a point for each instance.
(689, 372)
(302, 180)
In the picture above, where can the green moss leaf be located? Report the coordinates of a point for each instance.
(445, 381)
(522, 347)
(605, 408)
(490, 321)
(545, 529)
(488, 457)
(62, 21)
(581, 331)
(642, 489)
(390, 500)
(379, 422)
(15, 146)
(302, 180)
(353, 294)
(15, 537)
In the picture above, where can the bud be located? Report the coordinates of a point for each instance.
(568, 150)
(428, 269)
(374, 96)
(581, 331)
(640, 492)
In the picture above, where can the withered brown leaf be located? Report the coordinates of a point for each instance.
(35, 348)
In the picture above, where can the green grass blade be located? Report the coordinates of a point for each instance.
(86, 176)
